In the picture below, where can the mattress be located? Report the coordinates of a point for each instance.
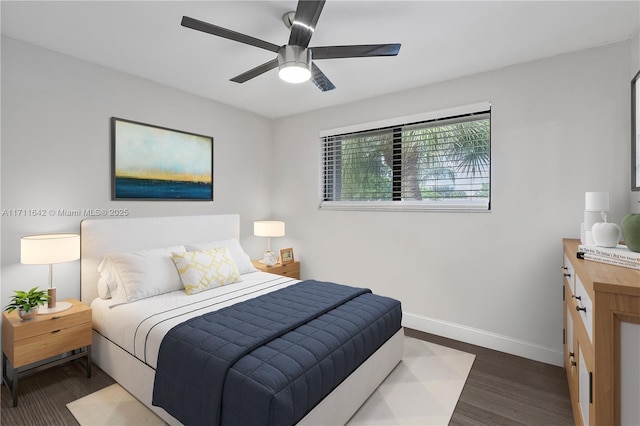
(139, 327)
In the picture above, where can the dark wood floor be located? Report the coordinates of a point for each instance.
(501, 389)
(43, 397)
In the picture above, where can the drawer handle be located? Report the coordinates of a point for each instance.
(55, 331)
(566, 275)
(55, 318)
(571, 355)
(573, 363)
(578, 308)
(577, 297)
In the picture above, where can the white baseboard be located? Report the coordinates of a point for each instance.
(482, 338)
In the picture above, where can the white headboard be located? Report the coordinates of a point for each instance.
(99, 237)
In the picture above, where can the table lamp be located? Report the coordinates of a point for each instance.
(268, 228)
(48, 249)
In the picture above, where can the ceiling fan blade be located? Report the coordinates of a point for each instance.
(304, 22)
(355, 51)
(206, 27)
(260, 69)
(320, 80)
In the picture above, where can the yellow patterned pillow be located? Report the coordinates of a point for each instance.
(205, 269)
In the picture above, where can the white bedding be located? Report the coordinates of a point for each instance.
(139, 327)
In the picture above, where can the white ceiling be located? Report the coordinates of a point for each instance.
(440, 40)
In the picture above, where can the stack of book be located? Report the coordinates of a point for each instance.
(618, 256)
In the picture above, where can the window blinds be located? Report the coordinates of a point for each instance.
(440, 163)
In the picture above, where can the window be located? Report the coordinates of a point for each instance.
(438, 161)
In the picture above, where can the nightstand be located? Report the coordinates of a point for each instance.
(25, 343)
(291, 270)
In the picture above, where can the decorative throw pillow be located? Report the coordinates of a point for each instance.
(239, 256)
(204, 269)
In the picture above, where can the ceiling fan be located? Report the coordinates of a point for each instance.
(295, 59)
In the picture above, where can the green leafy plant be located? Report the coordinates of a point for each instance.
(27, 299)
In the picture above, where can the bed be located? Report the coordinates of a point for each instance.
(128, 337)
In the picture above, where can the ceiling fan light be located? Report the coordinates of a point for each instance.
(294, 73)
(294, 64)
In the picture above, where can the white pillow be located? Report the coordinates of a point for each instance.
(240, 258)
(104, 291)
(205, 269)
(140, 274)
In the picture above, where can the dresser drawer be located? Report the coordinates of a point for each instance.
(584, 389)
(47, 345)
(569, 331)
(569, 273)
(584, 307)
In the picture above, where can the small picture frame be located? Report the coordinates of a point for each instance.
(286, 256)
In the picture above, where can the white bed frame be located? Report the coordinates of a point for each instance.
(102, 236)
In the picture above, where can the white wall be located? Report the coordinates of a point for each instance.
(55, 153)
(634, 199)
(560, 127)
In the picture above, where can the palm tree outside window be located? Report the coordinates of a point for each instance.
(441, 163)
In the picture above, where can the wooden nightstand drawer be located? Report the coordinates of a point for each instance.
(24, 342)
(291, 270)
(67, 333)
(48, 345)
(44, 324)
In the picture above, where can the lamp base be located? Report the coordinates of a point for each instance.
(269, 258)
(60, 306)
(52, 298)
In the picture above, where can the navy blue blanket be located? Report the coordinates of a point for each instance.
(196, 356)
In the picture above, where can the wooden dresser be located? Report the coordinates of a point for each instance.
(601, 339)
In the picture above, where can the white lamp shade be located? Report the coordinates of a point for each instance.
(596, 201)
(49, 248)
(268, 228)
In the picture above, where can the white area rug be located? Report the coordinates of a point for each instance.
(112, 406)
(422, 390)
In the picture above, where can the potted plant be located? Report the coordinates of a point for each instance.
(27, 302)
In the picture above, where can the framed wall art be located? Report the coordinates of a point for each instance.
(156, 163)
(635, 133)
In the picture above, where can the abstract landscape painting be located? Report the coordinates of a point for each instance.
(156, 163)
